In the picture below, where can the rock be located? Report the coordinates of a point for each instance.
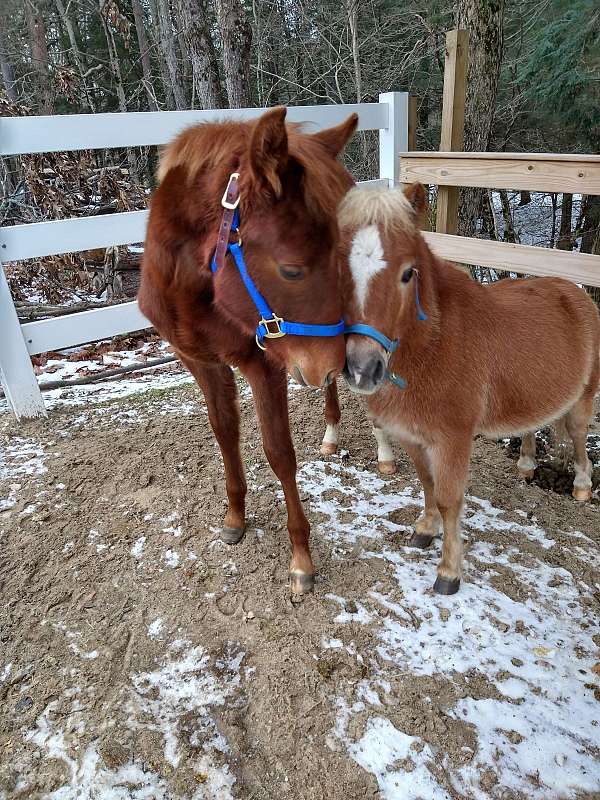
(350, 607)
(23, 705)
(444, 614)
(516, 662)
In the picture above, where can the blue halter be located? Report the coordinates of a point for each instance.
(389, 345)
(270, 326)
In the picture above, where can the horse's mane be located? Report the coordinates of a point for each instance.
(218, 146)
(387, 208)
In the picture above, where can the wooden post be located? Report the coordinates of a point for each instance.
(412, 123)
(453, 122)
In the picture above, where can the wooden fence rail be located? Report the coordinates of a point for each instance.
(546, 172)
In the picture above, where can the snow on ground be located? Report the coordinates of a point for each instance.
(541, 732)
(183, 684)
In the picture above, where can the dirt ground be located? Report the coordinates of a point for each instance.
(142, 658)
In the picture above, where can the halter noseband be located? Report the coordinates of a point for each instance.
(270, 326)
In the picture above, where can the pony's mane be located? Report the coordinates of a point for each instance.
(211, 145)
(386, 208)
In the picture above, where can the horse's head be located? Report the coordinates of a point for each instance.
(384, 270)
(290, 185)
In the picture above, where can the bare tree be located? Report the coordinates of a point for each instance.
(75, 52)
(168, 50)
(8, 73)
(140, 29)
(484, 20)
(39, 54)
(195, 23)
(236, 35)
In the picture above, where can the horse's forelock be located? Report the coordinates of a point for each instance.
(389, 209)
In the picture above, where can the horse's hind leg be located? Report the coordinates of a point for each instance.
(526, 463)
(220, 392)
(577, 421)
(429, 523)
(329, 445)
(385, 455)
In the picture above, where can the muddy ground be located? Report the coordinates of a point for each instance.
(142, 658)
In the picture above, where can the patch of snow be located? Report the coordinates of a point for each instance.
(172, 558)
(155, 628)
(138, 547)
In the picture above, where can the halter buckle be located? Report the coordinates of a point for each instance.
(276, 322)
(224, 201)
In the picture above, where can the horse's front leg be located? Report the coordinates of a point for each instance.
(333, 414)
(269, 388)
(429, 523)
(450, 468)
(220, 392)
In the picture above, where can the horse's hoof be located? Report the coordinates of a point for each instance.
(582, 495)
(301, 583)
(231, 535)
(527, 474)
(329, 448)
(386, 467)
(420, 540)
(446, 585)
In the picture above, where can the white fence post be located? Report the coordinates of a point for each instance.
(393, 140)
(18, 378)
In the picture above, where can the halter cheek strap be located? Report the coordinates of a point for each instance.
(270, 326)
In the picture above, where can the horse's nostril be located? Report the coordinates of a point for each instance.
(378, 372)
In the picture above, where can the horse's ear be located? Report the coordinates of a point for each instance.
(417, 197)
(269, 149)
(335, 139)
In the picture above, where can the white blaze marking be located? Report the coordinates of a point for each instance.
(366, 260)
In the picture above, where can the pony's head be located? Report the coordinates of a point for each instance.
(290, 185)
(384, 277)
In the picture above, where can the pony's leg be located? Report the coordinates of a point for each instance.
(450, 467)
(526, 463)
(220, 392)
(269, 388)
(329, 445)
(577, 420)
(429, 523)
(385, 455)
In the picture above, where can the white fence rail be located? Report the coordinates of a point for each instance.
(24, 135)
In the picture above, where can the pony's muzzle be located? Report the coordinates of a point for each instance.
(365, 370)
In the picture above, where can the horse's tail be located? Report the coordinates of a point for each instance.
(561, 440)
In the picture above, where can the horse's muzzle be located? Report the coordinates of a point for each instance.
(365, 370)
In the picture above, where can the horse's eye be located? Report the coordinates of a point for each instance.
(291, 273)
(407, 275)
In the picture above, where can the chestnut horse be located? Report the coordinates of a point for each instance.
(257, 202)
(442, 358)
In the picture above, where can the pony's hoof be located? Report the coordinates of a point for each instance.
(527, 474)
(231, 535)
(582, 495)
(386, 467)
(328, 449)
(420, 540)
(301, 583)
(446, 585)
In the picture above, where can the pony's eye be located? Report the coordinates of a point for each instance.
(407, 275)
(291, 273)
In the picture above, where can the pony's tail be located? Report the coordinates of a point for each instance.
(561, 441)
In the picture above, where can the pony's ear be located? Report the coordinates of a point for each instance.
(417, 197)
(335, 139)
(269, 149)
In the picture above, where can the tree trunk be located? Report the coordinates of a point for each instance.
(138, 15)
(590, 240)
(195, 22)
(8, 73)
(565, 239)
(484, 21)
(39, 54)
(68, 26)
(236, 35)
(169, 51)
(113, 57)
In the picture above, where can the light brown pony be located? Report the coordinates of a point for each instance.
(290, 184)
(498, 360)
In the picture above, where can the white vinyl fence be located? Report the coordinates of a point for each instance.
(22, 135)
